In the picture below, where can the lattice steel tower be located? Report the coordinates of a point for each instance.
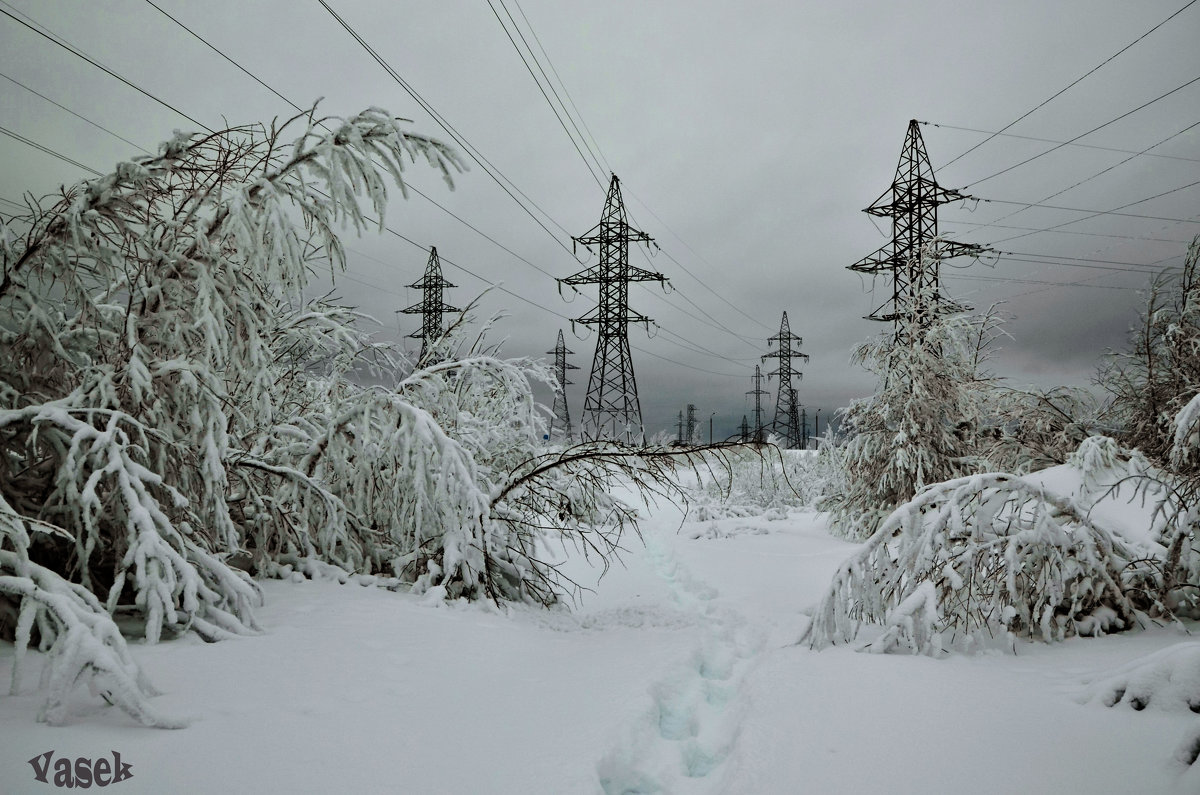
(690, 433)
(611, 409)
(786, 422)
(911, 202)
(760, 435)
(562, 416)
(744, 430)
(432, 306)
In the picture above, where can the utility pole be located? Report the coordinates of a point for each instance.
(431, 306)
(803, 428)
(690, 438)
(785, 422)
(611, 409)
(911, 202)
(710, 416)
(562, 417)
(758, 392)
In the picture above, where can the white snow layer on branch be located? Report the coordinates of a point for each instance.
(81, 642)
(1004, 557)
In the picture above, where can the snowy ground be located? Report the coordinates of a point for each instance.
(679, 674)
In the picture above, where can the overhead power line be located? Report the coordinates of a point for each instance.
(49, 151)
(1071, 85)
(942, 126)
(1055, 148)
(105, 69)
(599, 179)
(1113, 211)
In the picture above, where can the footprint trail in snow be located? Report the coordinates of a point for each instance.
(684, 738)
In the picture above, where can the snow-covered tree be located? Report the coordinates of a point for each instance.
(920, 426)
(1160, 373)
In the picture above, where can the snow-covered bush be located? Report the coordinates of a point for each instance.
(756, 480)
(1153, 381)
(920, 426)
(143, 312)
(1034, 429)
(82, 643)
(974, 560)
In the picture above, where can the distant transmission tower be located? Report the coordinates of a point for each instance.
(611, 409)
(679, 429)
(759, 432)
(911, 202)
(786, 422)
(690, 438)
(562, 417)
(744, 430)
(432, 306)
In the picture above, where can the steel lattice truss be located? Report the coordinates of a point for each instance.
(759, 433)
(431, 306)
(690, 434)
(611, 409)
(744, 430)
(911, 202)
(786, 423)
(561, 423)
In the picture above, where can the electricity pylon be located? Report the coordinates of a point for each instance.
(690, 438)
(431, 306)
(679, 429)
(911, 202)
(759, 432)
(611, 409)
(785, 423)
(562, 417)
(744, 430)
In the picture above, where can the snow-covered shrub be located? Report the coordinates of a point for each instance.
(64, 620)
(138, 314)
(564, 496)
(754, 481)
(976, 559)
(1155, 379)
(920, 426)
(1034, 429)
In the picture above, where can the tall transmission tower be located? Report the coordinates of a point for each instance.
(786, 422)
(679, 429)
(744, 430)
(760, 435)
(690, 438)
(562, 417)
(611, 409)
(431, 306)
(911, 202)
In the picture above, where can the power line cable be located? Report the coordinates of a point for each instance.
(1081, 135)
(563, 85)
(103, 68)
(49, 151)
(595, 157)
(1102, 171)
(1054, 141)
(538, 83)
(1062, 231)
(1113, 211)
(76, 115)
(1071, 85)
(1093, 213)
(467, 147)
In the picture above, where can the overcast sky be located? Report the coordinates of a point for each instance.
(748, 137)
